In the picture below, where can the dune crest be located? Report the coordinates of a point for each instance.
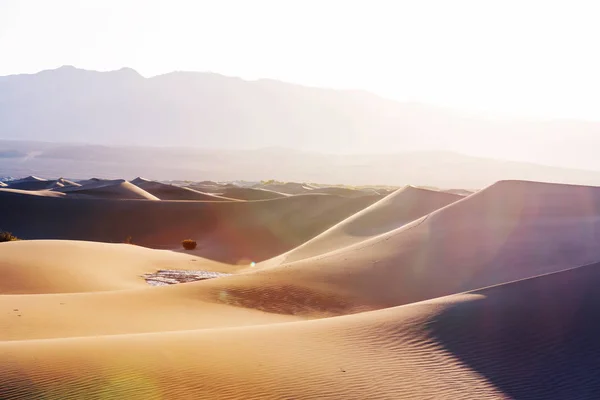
(419, 294)
(110, 189)
(391, 212)
(171, 192)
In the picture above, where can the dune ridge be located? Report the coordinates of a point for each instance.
(421, 294)
(171, 192)
(391, 212)
(231, 231)
(116, 189)
(510, 230)
(438, 348)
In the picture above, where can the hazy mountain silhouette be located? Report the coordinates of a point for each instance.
(213, 111)
(434, 168)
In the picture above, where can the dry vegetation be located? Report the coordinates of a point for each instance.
(189, 244)
(7, 237)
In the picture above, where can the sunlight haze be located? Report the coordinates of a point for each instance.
(523, 58)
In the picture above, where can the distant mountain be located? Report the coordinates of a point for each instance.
(192, 109)
(438, 169)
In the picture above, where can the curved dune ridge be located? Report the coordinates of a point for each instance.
(391, 212)
(171, 192)
(510, 230)
(230, 231)
(287, 188)
(56, 266)
(498, 342)
(34, 183)
(246, 193)
(110, 189)
(423, 294)
(43, 192)
(341, 191)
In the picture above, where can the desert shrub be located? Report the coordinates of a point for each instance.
(189, 244)
(7, 237)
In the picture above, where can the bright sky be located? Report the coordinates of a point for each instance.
(527, 57)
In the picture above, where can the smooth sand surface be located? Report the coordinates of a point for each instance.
(242, 193)
(498, 342)
(511, 230)
(391, 212)
(484, 298)
(43, 193)
(233, 232)
(109, 189)
(54, 266)
(34, 183)
(171, 192)
(90, 289)
(287, 188)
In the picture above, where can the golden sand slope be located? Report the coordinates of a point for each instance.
(393, 211)
(517, 340)
(234, 232)
(55, 266)
(324, 327)
(55, 288)
(511, 230)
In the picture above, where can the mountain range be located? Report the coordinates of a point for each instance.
(208, 110)
(429, 168)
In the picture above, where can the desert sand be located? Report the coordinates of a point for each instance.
(418, 294)
(171, 192)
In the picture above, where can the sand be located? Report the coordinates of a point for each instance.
(245, 193)
(233, 232)
(109, 189)
(391, 212)
(171, 192)
(489, 296)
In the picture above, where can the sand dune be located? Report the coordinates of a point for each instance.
(34, 183)
(66, 279)
(393, 211)
(240, 193)
(287, 188)
(423, 294)
(511, 230)
(171, 192)
(51, 266)
(234, 232)
(31, 183)
(43, 193)
(498, 342)
(109, 189)
(341, 191)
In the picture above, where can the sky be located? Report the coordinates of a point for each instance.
(525, 58)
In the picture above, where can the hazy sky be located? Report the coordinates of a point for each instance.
(521, 57)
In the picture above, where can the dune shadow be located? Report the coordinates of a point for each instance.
(532, 339)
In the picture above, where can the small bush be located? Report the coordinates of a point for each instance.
(7, 237)
(189, 244)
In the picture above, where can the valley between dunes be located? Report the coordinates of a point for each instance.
(326, 292)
